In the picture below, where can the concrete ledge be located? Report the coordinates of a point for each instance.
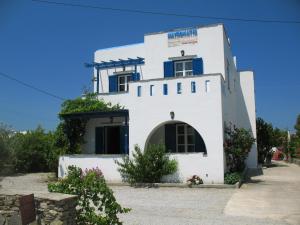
(173, 185)
(296, 161)
(243, 178)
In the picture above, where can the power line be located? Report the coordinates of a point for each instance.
(166, 13)
(31, 86)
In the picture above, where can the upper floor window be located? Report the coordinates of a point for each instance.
(183, 68)
(123, 81)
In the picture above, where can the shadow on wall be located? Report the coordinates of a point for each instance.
(244, 119)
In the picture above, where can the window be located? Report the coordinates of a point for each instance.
(179, 88)
(123, 82)
(193, 87)
(183, 68)
(165, 89)
(185, 138)
(151, 90)
(207, 86)
(139, 91)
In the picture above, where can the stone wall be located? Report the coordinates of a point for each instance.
(50, 208)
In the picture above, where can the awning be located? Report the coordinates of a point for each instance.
(97, 114)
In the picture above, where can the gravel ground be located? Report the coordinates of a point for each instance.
(180, 206)
(25, 183)
(185, 206)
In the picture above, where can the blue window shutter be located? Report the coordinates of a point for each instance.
(197, 66)
(169, 69)
(124, 136)
(170, 137)
(99, 136)
(113, 83)
(135, 77)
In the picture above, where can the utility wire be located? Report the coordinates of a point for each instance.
(166, 13)
(31, 86)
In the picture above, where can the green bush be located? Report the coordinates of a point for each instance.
(33, 151)
(5, 147)
(96, 204)
(237, 145)
(148, 166)
(232, 178)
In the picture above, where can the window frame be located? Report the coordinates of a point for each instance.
(184, 71)
(126, 81)
(185, 134)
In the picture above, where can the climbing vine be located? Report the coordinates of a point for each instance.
(70, 131)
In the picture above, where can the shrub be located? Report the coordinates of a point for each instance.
(238, 143)
(148, 166)
(5, 147)
(232, 178)
(33, 151)
(194, 180)
(96, 204)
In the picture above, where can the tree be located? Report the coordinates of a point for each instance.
(5, 147)
(268, 137)
(297, 126)
(264, 133)
(33, 151)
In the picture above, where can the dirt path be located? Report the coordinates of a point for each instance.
(275, 194)
(25, 183)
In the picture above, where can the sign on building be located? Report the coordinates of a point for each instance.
(181, 37)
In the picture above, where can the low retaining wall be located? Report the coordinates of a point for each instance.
(296, 161)
(189, 164)
(50, 208)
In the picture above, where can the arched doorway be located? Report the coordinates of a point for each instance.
(178, 137)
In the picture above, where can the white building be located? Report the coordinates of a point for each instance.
(180, 88)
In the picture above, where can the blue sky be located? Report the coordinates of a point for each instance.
(47, 46)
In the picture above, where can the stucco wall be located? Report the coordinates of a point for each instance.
(202, 110)
(155, 50)
(104, 162)
(247, 115)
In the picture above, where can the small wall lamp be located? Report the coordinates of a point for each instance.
(172, 114)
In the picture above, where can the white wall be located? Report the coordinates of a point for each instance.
(209, 47)
(155, 50)
(239, 101)
(202, 110)
(104, 162)
(247, 118)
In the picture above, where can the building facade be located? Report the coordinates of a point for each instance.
(179, 88)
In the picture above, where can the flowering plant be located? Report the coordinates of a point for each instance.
(194, 180)
(96, 204)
